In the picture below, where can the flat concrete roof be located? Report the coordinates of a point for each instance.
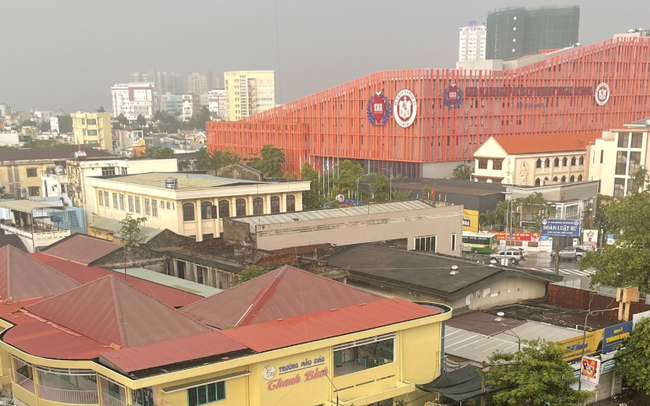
(185, 180)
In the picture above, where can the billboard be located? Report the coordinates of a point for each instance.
(573, 347)
(470, 221)
(590, 237)
(590, 371)
(615, 335)
(560, 228)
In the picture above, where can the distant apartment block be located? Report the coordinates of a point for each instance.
(191, 105)
(92, 129)
(200, 83)
(471, 42)
(134, 99)
(248, 93)
(217, 103)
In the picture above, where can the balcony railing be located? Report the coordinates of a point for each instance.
(76, 397)
(23, 381)
(108, 400)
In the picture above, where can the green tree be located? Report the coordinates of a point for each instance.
(269, 161)
(532, 376)
(400, 195)
(313, 198)
(124, 122)
(248, 273)
(141, 121)
(348, 173)
(206, 161)
(101, 109)
(161, 153)
(632, 360)
(379, 187)
(229, 157)
(628, 262)
(4, 194)
(65, 124)
(462, 172)
(198, 120)
(44, 144)
(639, 179)
(130, 229)
(165, 122)
(44, 126)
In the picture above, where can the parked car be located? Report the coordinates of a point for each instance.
(570, 253)
(587, 248)
(524, 253)
(513, 255)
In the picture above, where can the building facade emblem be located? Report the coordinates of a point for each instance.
(378, 109)
(602, 94)
(268, 372)
(405, 108)
(452, 96)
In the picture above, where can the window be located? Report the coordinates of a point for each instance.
(623, 140)
(206, 210)
(619, 187)
(573, 161)
(120, 200)
(556, 162)
(106, 202)
(204, 394)
(131, 207)
(538, 164)
(635, 162)
(547, 163)
(224, 209)
(482, 163)
(554, 178)
(291, 203)
(602, 155)
(32, 172)
(100, 197)
(91, 121)
(581, 161)
(154, 208)
(453, 242)
(621, 162)
(579, 178)
(137, 205)
(108, 171)
(275, 204)
(637, 140)
(426, 244)
(188, 211)
(563, 179)
(241, 207)
(363, 354)
(572, 179)
(167, 205)
(538, 182)
(143, 397)
(497, 164)
(115, 204)
(258, 206)
(147, 207)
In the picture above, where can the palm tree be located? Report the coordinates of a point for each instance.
(462, 172)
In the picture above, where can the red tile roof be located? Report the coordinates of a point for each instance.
(538, 143)
(111, 311)
(85, 274)
(81, 249)
(172, 351)
(23, 277)
(317, 326)
(40, 338)
(280, 294)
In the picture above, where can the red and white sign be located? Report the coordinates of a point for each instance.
(602, 94)
(590, 370)
(405, 108)
(504, 236)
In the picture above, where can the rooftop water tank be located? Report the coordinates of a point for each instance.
(171, 183)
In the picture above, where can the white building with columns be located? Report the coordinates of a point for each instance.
(193, 205)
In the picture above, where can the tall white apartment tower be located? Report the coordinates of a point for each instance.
(471, 42)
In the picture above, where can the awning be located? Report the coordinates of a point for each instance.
(27, 206)
(461, 384)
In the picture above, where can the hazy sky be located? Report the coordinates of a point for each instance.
(68, 53)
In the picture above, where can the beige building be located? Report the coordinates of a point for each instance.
(614, 158)
(414, 224)
(533, 160)
(189, 204)
(200, 83)
(93, 129)
(248, 93)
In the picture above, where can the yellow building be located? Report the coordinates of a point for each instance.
(188, 204)
(92, 129)
(21, 169)
(248, 93)
(286, 338)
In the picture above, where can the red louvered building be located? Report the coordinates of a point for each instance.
(422, 122)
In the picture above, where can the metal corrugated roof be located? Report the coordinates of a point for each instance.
(317, 326)
(27, 206)
(61, 152)
(184, 180)
(171, 352)
(171, 281)
(111, 311)
(114, 226)
(85, 274)
(333, 213)
(81, 249)
(280, 294)
(23, 277)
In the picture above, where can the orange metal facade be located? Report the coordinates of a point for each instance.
(554, 95)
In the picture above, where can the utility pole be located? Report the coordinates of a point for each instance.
(557, 254)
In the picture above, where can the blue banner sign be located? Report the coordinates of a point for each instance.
(615, 335)
(560, 228)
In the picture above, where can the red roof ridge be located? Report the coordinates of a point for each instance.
(118, 308)
(261, 298)
(46, 321)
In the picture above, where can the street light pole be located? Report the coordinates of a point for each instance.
(502, 314)
(390, 183)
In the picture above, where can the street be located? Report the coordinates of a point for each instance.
(541, 261)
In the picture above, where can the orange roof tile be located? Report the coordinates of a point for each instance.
(540, 143)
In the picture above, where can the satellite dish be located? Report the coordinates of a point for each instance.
(647, 122)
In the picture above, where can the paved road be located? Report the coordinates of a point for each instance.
(542, 261)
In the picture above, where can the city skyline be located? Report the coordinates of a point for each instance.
(319, 45)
